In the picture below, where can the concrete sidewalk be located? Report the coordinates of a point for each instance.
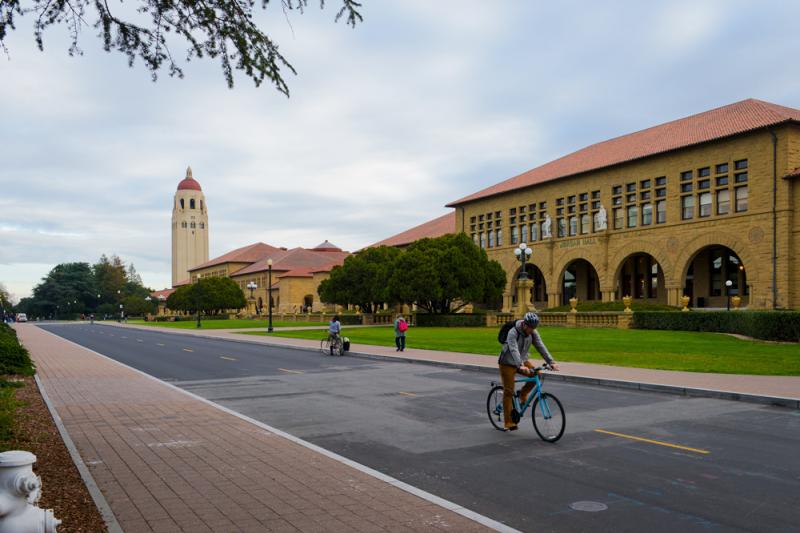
(773, 390)
(159, 459)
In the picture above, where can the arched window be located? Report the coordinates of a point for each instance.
(191, 203)
(183, 224)
(202, 225)
(193, 225)
(182, 206)
(201, 205)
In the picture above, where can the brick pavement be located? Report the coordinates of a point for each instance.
(168, 461)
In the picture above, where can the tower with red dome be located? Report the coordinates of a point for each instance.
(189, 228)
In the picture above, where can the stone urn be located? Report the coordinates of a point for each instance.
(573, 303)
(736, 301)
(685, 302)
(626, 301)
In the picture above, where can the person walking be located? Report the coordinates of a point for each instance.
(400, 328)
(514, 360)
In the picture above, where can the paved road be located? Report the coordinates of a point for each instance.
(427, 426)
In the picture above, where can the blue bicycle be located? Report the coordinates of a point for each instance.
(549, 419)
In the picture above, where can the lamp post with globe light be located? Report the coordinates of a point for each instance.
(252, 286)
(524, 284)
(728, 285)
(523, 253)
(269, 293)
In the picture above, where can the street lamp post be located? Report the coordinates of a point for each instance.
(252, 286)
(728, 284)
(148, 299)
(269, 293)
(523, 253)
(121, 313)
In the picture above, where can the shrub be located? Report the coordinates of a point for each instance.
(765, 325)
(461, 320)
(14, 358)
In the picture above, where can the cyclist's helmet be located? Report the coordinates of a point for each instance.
(531, 319)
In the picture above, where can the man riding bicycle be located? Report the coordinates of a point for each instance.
(334, 331)
(514, 360)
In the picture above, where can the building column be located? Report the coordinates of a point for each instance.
(553, 299)
(524, 304)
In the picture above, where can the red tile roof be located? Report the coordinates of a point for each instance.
(794, 174)
(189, 182)
(164, 292)
(733, 119)
(245, 254)
(433, 228)
(297, 259)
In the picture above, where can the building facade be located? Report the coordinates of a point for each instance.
(189, 228)
(706, 206)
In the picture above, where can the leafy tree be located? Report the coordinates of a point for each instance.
(222, 29)
(135, 305)
(207, 296)
(438, 274)
(110, 278)
(6, 307)
(68, 289)
(362, 279)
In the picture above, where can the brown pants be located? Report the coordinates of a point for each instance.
(507, 374)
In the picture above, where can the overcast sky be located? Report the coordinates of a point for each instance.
(422, 104)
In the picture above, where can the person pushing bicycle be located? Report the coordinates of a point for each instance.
(514, 360)
(334, 330)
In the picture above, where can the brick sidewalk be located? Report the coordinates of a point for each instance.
(167, 461)
(787, 387)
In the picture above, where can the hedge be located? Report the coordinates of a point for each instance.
(461, 320)
(14, 358)
(765, 325)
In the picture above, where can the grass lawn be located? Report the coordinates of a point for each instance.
(665, 350)
(225, 324)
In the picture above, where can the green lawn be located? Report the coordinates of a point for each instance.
(226, 324)
(666, 350)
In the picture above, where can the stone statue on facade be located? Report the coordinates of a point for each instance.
(600, 219)
(546, 227)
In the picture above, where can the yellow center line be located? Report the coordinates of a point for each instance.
(642, 439)
(228, 358)
(410, 394)
(291, 371)
(188, 350)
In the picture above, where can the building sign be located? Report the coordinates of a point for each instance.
(588, 241)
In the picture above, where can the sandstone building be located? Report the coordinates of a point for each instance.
(189, 228)
(676, 209)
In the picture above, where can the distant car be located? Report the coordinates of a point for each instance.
(22, 317)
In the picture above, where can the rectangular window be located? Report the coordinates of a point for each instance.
(686, 187)
(490, 224)
(630, 187)
(585, 220)
(522, 218)
(512, 220)
(722, 180)
(704, 184)
(617, 189)
(534, 232)
(559, 211)
(703, 172)
(740, 165)
(499, 237)
(489, 216)
(472, 220)
(583, 197)
(644, 195)
(491, 239)
(562, 227)
(687, 207)
(633, 215)
(741, 199)
(523, 232)
(571, 199)
(661, 181)
(644, 184)
(522, 209)
(595, 195)
(740, 177)
(617, 200)
(686, 176)
(722, 168)
(619, 221)
(514, 235)
(559, 201)
(573, 226)
(475, 238)
(596, 204)
(497, 214)
(647, 214)
(542, 206)
(631, 197)
(480, 218)
(723, 201)
(571, 209)
(661, 211)
(512, 211)
(583, 207)
(661, 193)
(483, 240)
(532, 208)
(704, 199)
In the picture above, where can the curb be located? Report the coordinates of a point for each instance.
(88, 480)
(775, 401)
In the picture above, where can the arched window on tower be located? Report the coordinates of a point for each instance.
(201, 205)
(202, 225)
(183, 224)
(193, 225)
(191, 203)
(182, 206)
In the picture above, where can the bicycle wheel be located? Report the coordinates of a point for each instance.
(337, 346)
(494, 407)
(325, 346)
(548, 417)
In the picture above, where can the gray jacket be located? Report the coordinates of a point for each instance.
(517, 346)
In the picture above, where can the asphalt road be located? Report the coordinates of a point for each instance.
(428, 427)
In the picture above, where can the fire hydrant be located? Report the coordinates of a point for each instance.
(20, 489)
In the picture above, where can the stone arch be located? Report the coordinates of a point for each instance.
(561, 262)
(658, 253)
(687, 254)
(540, 283)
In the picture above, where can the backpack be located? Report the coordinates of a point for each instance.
(502, 336)
(402, 326)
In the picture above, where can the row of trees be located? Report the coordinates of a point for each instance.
(439, 275)
(208, 296)
(71, 289)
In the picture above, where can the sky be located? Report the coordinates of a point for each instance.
(421, 104)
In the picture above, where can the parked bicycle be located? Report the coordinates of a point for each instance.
(549, 419)
(332, 345)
